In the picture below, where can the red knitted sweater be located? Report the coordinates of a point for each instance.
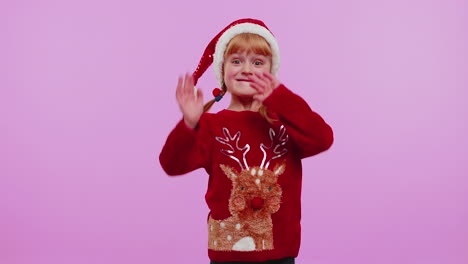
(255, 174)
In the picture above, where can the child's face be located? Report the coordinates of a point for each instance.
(239, 67)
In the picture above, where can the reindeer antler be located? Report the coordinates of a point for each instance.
(234, 151)
(277, 147)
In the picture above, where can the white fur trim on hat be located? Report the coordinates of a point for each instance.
(218, 58)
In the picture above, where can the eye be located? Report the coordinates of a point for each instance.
(242, 188)
(258, 62)
(236, 61)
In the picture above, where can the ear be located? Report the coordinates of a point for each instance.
(279, 169)
(230, 172)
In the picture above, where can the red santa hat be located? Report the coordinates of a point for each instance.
(214, 52)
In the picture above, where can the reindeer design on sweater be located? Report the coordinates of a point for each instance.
(255, 196)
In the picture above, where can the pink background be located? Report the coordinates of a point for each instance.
(88, 98)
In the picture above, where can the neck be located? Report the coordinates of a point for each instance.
(243, 104)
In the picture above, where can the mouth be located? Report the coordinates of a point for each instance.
(243, 80)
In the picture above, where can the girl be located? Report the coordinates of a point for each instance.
(251, 151)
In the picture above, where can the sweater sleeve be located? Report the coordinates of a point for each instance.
(185, 149)
(310, 133)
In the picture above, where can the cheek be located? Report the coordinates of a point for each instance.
(229, 73)
(267, 68)
(263, 68)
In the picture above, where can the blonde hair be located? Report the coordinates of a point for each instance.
(246, 42)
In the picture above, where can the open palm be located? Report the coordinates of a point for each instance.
(190, 101)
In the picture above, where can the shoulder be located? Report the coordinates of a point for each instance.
(208, 118)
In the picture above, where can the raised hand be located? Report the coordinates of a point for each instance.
(264, 83)
(190, 100)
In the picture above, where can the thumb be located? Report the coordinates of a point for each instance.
(199, 94)
(257, 98)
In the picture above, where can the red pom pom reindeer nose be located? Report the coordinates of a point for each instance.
(257, 203)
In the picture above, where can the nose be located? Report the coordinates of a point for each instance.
(246, 69)
(257, 203)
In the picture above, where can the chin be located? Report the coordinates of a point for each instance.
(244, 94)
(243, 91)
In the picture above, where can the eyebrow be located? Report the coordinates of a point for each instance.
(255, 55)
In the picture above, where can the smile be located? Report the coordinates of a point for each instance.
(243, 80)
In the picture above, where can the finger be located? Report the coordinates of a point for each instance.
(274, 81)
(267, 85)
(257, 84)
(186, 87)
(269, 76)
(257, 87)
(179, 87)
(199, 95)
(191, 80)
(261, 76)
(258, 98)
(256, 104)
(254, 84)
(271, 82)
(260, 79)
(184, 84)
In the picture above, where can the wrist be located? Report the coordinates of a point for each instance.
(190, 124)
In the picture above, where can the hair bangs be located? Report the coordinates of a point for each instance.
(248, 42)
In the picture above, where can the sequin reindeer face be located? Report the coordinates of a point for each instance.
(255, 195)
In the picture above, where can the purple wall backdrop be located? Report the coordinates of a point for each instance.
(88, 98)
